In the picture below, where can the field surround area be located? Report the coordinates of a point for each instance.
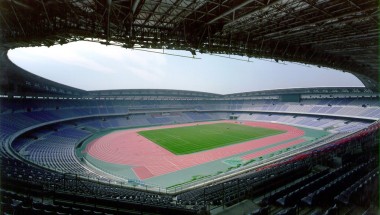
(174, 155)
(197, 138)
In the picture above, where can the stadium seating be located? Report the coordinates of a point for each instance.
(44, 133)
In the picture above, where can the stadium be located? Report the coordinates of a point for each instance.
(314, 150)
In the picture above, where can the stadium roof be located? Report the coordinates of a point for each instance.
(340, 34)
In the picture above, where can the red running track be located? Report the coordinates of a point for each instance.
(149, 159)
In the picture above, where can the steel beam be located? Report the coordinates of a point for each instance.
(237, 7)
(134, 5)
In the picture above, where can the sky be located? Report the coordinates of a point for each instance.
(93, 66)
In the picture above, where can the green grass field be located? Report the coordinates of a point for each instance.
(191, 139)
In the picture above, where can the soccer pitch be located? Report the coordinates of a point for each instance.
(191, 139)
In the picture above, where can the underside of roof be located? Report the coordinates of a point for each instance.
(340, 34)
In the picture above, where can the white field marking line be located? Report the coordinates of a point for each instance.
(176, 137)
(219, 132)
(210, 132)
(172, 163)
(238, 138)
(181, 140)
(250, 139)
(177, 125)
(235, 137)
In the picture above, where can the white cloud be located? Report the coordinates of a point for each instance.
(147, 66)
(94, 57)
(64, 55)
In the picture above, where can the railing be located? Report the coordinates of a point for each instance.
(249, 168)
(281, 157)
(207, 180)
